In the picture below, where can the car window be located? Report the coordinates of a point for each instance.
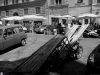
(15, 30)
(20, 29)
(8, 32)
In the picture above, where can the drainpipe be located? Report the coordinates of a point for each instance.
(91, 6)
(90, 11)
(48, 10)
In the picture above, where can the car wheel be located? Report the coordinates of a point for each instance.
(23, 42)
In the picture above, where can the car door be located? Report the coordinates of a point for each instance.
(8, 39)
(16, 35)
(21, 33)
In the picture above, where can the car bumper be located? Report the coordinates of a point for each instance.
(92, 68)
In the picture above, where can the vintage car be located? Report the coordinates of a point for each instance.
(25, 29)
(90, 34)
(40, 29)
(12, 35)
(93, 62)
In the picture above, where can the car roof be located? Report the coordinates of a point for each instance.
(4, 27)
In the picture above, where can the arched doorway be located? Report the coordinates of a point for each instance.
(15, 14)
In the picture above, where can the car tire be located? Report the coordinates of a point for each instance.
(23, 42)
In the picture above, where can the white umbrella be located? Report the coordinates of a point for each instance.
(63, 16)
(88, 15)
(33, 17)
(67, 16)
(13, 18)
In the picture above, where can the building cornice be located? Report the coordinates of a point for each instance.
(59, 6)
(97, 5)
(36, 3)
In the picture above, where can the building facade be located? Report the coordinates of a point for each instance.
(48, 8)
(29, 7)
(57, 7)
(23, 7)
(77, 7)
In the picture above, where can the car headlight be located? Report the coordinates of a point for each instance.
(41, 29)
(91, 58)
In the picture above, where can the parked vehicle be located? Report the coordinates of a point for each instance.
(93, 62)
(12, 35)
(40, 29)
(25, 29)
(49, 29)
(90, 33)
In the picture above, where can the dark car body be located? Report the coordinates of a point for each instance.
(11, 35)
(93, 62)
(90, 34)
(40, 29)
(49, 29)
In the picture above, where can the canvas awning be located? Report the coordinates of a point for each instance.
(63, 16)
(88, 15)
(13, 18)
(33, 17)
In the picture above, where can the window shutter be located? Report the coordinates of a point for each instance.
(26, 11)
(37, 10)
(7, 13)
(90, 2)
(98, 1)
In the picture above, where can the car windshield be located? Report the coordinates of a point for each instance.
(1, 31)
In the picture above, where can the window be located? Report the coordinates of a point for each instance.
(8, 32)
(37, 10)
(5, 2)
(16, 22)
(79, 1)
(15, 30)
(7, 13)
(86, 21)
(14, 1)
(58, 2)
(90, 2)
(20, 29)
(25, 1)
(25, 11)
(22, 1)
(98, 1)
